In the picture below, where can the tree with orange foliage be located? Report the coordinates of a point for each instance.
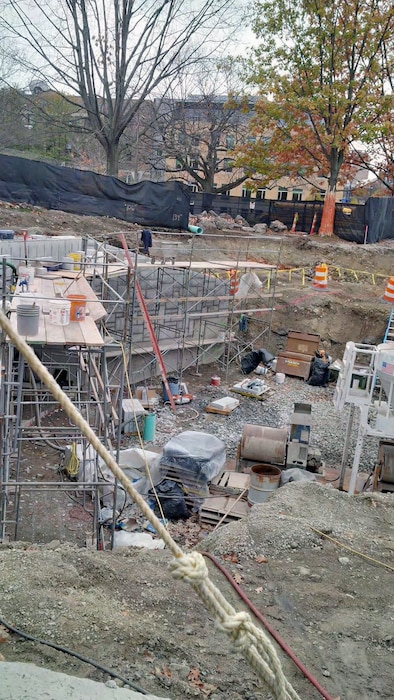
(322, 73)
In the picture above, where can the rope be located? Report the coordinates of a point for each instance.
(252, 641)
(350, 549)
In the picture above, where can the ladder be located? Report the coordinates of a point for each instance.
(389, 334)
(145, 313)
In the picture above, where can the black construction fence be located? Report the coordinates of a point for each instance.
(163, 204)
(359, 223)
(167, 204)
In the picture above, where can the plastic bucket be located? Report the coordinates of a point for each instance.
(78, 307)
(77, 258)
(68, 263)
(215, 380)
(27, 319)
(173, 384)
(150, 427)
(279, 378)
(264, 479)
(59, 312)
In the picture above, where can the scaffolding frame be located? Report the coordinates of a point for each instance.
(95, 377)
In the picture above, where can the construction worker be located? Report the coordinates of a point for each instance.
(146, 240)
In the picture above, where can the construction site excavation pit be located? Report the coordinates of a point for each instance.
(311, 558)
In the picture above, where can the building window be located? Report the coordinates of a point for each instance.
(261, 193)
(193, 162)
(247, 193)
(178, 164)
(192, 186)
(228, 165)
(251, 139)
(297, 194)
(230, 141)
(282, 194)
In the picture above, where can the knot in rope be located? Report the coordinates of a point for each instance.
(190, 567)
(238, 626)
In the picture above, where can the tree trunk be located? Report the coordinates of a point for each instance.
(328, 214)
(112, 154)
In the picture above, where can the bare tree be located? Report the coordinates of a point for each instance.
(113, 54)
(197, 132)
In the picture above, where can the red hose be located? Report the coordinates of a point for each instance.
(270, 629)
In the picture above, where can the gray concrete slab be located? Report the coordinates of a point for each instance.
(20, 681)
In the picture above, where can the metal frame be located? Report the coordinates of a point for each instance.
(97, 391)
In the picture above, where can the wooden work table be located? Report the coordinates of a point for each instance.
(82, 333)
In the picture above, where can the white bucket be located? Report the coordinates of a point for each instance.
(68, 263)
(279, 378)
(59, 312)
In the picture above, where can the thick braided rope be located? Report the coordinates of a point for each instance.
(254, 644)
(249, 639)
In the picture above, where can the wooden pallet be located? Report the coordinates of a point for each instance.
(229, 483)
(213, 510)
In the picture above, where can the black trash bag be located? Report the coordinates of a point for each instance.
(320, 371)
(172, 500)
(266, 357)
(250, 361)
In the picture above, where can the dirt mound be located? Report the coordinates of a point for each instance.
(125, 610)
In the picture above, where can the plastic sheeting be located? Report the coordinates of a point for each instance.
(195, 458)
(163, 204)
(200, 453)
(379, 217)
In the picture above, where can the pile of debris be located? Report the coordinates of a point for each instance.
(211, 221)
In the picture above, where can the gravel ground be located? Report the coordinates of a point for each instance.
(125, 610)
(328, 427)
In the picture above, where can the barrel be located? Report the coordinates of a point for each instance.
(263, 444)
(264, 480)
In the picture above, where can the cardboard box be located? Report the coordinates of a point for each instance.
(303, 343)
(294, 364)
(148, 397)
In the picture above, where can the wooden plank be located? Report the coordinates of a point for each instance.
(213, 509)
(55, 334)
(81, 286)
(73, 334)
(234, 480)
(210, 265)
(91, 333)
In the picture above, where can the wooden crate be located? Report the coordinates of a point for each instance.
(230, 483)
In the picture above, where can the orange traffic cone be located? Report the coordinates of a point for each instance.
(389, 293)
(320, 279)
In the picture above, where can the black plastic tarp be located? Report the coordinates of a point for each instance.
(156, 204)
(379, 217)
